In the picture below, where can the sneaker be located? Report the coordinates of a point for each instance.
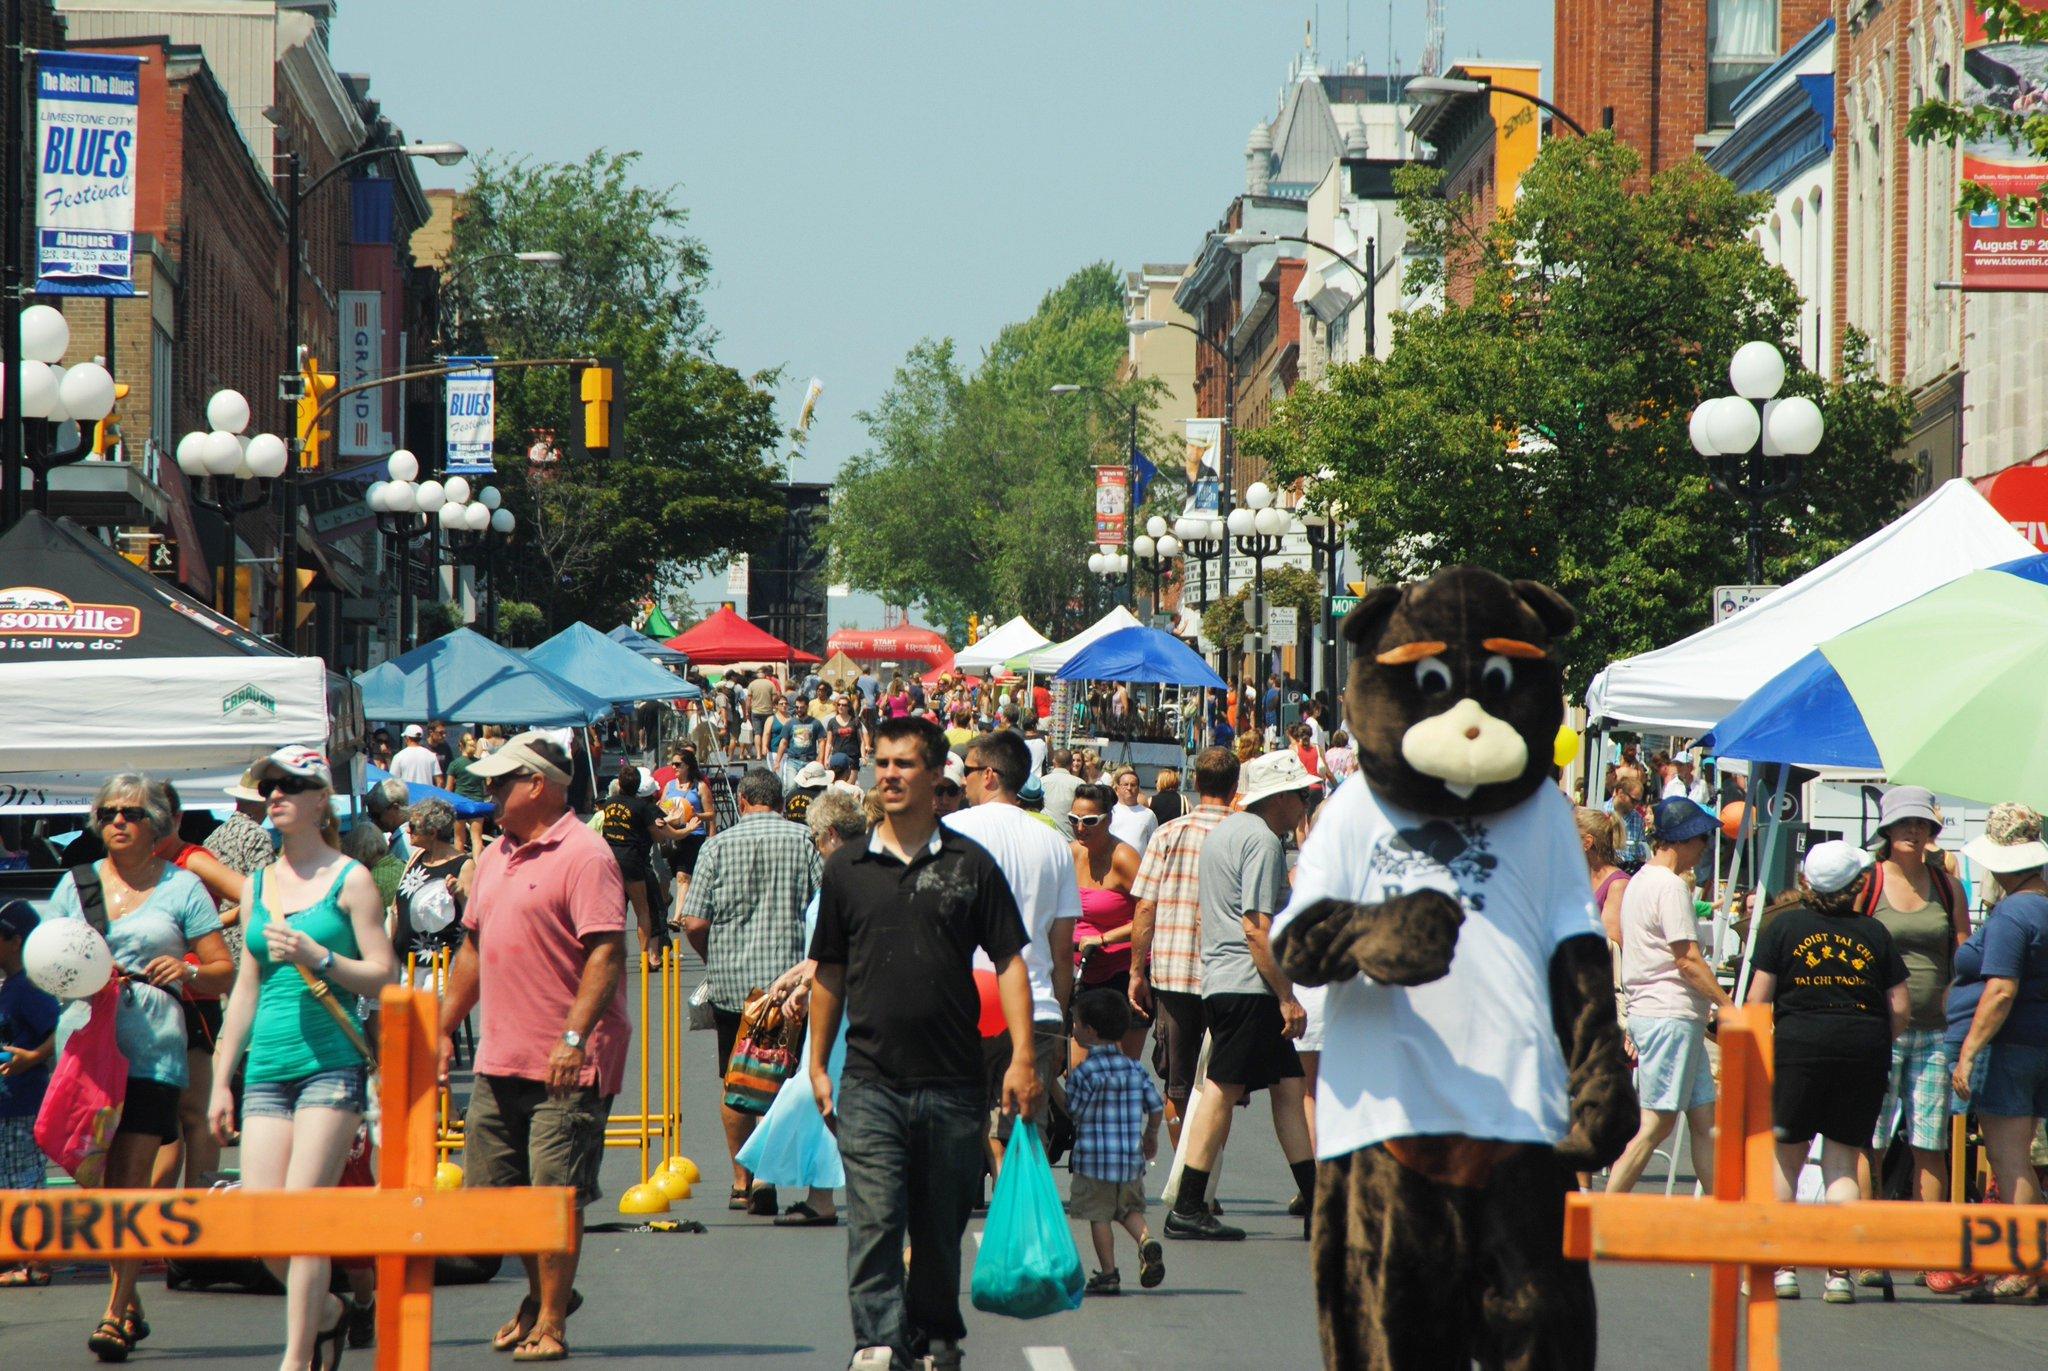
(2008, 1289)
(1870, 1278)
(1151, 1263)
(1952, 1282)
(1298, 1206)
(1201, 1226)
(872, 1359)
(1839, 1288)
(1786, 1283)
(1105, 1283)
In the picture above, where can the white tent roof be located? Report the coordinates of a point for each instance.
(1045, 661)
(1013, 639)
(1696, 682)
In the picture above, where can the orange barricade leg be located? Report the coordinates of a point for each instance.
(405, 1285)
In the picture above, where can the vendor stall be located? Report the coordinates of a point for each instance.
(464, 677)
(725, 639)
(582, 656)
(653, 649)
(903, 645)
(997, 648)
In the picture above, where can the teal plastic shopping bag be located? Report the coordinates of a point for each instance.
(1029, 1266)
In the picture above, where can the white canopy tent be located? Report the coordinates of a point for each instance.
(1047, 660)
(1694, 683)
(1013, 639)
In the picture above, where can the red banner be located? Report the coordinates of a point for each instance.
(1112, 505)
(2004, 248)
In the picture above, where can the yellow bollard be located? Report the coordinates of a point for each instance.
(646, 1059)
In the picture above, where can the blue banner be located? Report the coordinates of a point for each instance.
(472, 420)
(85, 173)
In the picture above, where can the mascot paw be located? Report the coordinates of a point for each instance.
(1406, 940)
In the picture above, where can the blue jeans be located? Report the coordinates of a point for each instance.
(913, 1165)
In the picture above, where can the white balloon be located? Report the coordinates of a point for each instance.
(502, 521)
(192, 453)
(401, 497)
(403, 466)
(475, 517)
(373, 495)
(451, 516)
(44, 334)
(268, 455)
(1733, 426)
(1796, 426)
(228, 411)
(222, 453)
(87, 391)
(66, 958)
(457, 488)
(489, 497)
(431, 495)
(38, 389)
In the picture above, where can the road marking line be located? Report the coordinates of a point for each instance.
(1048, 1359)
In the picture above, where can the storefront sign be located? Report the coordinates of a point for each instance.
(2004, 247)
(34, 611)
(1112, 505)
(85, 173)
(472, 420)
(2020, 495)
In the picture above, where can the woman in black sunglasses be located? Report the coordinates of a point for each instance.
(154, 914)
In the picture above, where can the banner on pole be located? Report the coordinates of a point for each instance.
(363, 433)
(1112, 505)
(736, 577)
(2004, 247)
(85, 173)
(472, 419)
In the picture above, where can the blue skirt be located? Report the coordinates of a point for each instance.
(791, 1145)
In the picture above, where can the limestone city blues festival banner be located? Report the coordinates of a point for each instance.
(85, 173)
(472, 419)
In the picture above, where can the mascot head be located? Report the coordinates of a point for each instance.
(1456, 693)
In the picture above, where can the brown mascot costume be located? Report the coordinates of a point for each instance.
(1471, 1059)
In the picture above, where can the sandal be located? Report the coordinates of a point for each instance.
(520, 1328)
(543, 1345)
(801, 1215)
(25, 1275)
(108, 1342)
(134, 1325)
(335, 1337)
(740, 1198)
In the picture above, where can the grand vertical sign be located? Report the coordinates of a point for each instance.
(85, 173)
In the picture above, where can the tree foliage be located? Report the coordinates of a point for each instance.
(976, 493)
(1291, 586)
(1542, 429)
(699, 465)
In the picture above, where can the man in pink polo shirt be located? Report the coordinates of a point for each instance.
(545, 956)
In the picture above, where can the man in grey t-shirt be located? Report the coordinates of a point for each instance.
(1059, 785)
(1252, 1014)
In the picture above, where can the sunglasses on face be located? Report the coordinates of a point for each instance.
(1089, 820)
(500, 782)
(134, 814)
(947, 789)
(289, 785)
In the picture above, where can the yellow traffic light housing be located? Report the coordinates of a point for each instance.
(973, 629)
(107, 431)
(313, 438)
(600, 388)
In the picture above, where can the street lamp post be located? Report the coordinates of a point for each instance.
(1201, 537)
(399, 507)
(1325, 531)
(222, 458)
(1430, 89)
(82, 393)
(1130, 474)
(482, 538)
(1257, 529)
(444, 154)
(1753, 442)
(1242, 241)
(1109, 566)
(1156, 549)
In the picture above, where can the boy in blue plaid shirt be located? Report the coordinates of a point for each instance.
(1116, 1111)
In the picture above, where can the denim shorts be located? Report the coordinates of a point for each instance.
(1672, 1071)
(2011, 1081)
(345, 1089)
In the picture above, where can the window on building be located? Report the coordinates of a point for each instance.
(1742, 39)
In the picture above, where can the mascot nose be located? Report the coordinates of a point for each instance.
(1465, 747)
(1472, 735)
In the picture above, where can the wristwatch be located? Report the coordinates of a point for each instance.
(573, 1038)
(325, 962)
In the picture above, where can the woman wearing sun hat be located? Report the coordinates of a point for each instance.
(1998, 1014)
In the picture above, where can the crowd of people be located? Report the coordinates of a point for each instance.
(989, 932)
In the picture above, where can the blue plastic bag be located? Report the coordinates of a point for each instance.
(1028, 1266)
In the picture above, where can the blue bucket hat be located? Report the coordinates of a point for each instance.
(1680, 820)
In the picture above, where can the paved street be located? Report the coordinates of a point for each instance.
(654, 1297)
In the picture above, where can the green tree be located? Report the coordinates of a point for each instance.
(521, 624)
(976, 493)
(697, 473)
(1288, 586)
(1542, 429)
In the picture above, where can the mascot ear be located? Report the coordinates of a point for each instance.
(1556, 612)
(1363, 624)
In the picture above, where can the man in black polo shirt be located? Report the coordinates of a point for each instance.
(899, 919)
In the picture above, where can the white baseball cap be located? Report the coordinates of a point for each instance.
(1835, 865)
(414, 731)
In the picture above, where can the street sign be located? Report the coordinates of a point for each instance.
(1341, 605)
(1730, 601)
(1282, 623)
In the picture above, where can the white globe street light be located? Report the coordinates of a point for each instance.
(1752, 441)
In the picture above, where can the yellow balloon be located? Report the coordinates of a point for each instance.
(643, 1199)
(447, 1176)
(1566, 749)
(673, 1185)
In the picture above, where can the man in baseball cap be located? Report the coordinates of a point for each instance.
(533, 752)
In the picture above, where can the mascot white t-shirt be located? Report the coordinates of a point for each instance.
(1473, 1053)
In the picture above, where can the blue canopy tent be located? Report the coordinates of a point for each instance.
(656, 651)
(582, 656)
(415, 792)
(1142, 655)
(465, 677)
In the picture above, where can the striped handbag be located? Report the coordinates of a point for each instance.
(764, 1056)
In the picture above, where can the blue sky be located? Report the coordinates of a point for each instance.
(869, 174)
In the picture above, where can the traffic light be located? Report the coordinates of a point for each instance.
(108, 430)
(600, 389)
(973, 629)
(318, 385)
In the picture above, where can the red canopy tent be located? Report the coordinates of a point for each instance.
(726, 638)
(906, 644)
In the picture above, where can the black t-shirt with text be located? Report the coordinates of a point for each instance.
(1833, 976)
(629, 822)
(906, 936)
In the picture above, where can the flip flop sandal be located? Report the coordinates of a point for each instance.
(108, 1342)
(521, 1324)
(536, 1347)
(23, 1277)
(801, 1215)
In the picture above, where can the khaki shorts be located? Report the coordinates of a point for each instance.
(1098, 1201)
(1049, 1056)
(516, 1133)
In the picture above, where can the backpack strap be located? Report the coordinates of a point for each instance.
(1873, 891)
(92, 896)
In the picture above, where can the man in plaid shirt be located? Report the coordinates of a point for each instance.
(745, 916)
(1116, 1111)
(1166, 932)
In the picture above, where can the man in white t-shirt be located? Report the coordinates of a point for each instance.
(416, 763)
(1039, 865)
(1671, 995)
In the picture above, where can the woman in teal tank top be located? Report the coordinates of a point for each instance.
(304, 1098)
